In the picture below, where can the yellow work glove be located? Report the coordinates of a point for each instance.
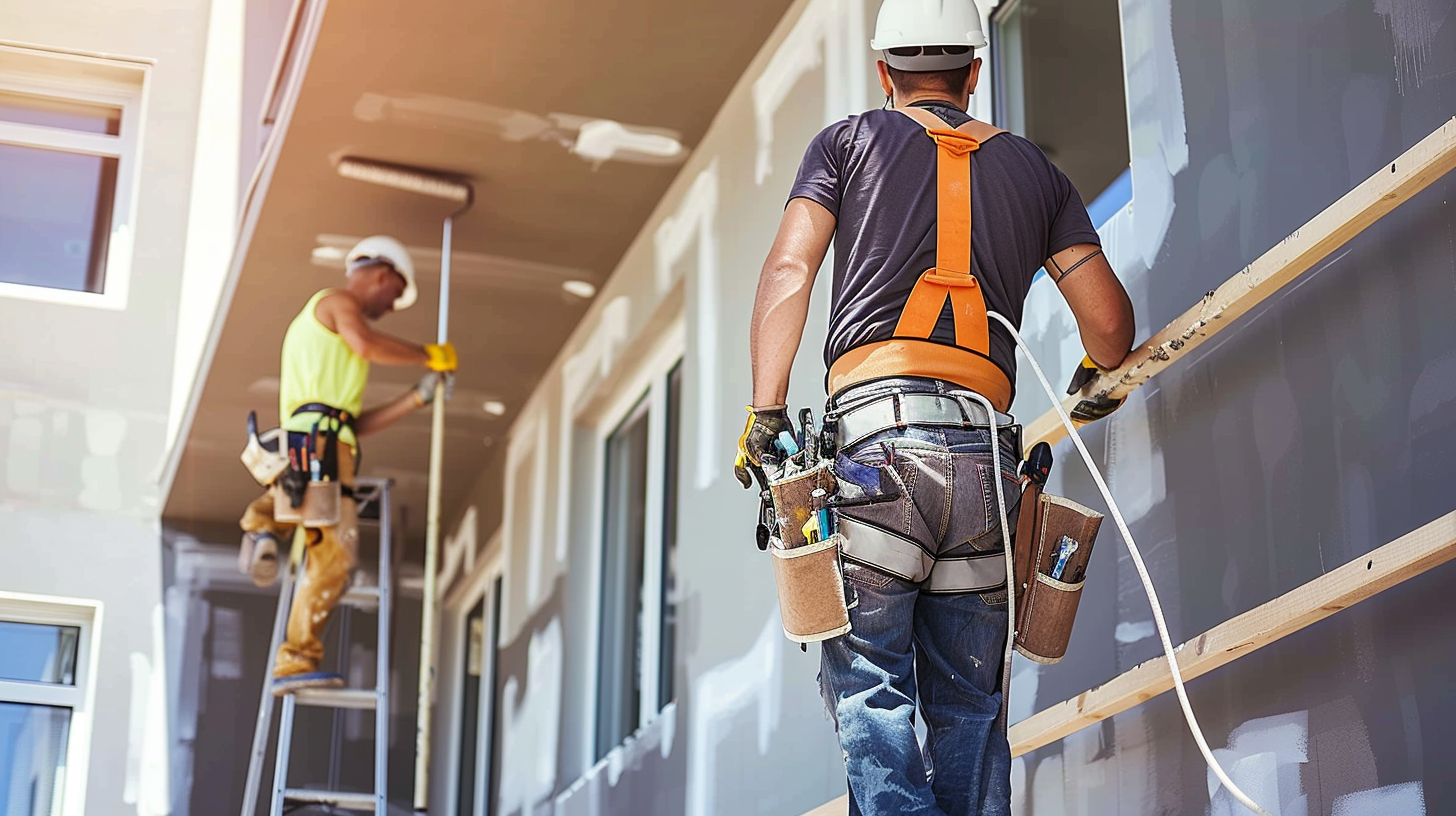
(759, 436)
(1094, 407)
(442, 357)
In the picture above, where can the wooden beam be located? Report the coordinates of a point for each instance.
(1366, 576)
(1391, 186)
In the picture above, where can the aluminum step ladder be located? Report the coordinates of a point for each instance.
(372, 496)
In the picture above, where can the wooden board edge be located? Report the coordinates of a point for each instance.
(1364, 577)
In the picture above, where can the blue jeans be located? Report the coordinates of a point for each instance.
(943, 652)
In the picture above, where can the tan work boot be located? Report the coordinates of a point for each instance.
(258, 558)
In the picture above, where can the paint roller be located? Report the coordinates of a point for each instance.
(455, 189)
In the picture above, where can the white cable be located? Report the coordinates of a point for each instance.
(1006, 546)
(1142, 570)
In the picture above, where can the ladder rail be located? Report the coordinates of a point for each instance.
(381, 674)
(369, 491)
(265, 705)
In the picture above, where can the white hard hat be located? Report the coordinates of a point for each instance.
(383, 249)
(925, 24)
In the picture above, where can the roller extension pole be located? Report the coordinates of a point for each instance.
(432, 547)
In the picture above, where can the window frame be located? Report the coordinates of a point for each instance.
(474, 589)
(79, 698)
(122, 84)
(645, 382)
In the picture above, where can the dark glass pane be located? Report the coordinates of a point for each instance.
(668, 653)
(492, 797)
(25, 109)
(55, 217)
(1070, 102)
(619, 694)
(32, 755)
(471, 675)
(38, 653)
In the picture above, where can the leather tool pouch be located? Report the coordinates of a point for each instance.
(300, 499)
(811, 591)
(1046, 607)
(808, 576)
(793, 502)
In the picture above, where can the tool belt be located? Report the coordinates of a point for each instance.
(311, 490)
(911, 351)
(857, 421)
(341, 418)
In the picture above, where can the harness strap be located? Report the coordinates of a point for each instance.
(951, 277)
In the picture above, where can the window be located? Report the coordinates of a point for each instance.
(44, 660)
(1059, 82)
(638, 612)
(476, 778)
(68, 132)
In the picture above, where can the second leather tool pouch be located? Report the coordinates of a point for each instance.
(1053, 546)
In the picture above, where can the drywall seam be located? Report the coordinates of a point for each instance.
(696, 218)
(837, 25)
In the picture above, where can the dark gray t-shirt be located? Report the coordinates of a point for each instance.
(876, 172)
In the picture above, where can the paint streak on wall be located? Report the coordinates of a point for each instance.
(839, 25)
(1157, 127)
(720, 694)
(1406, 800)
(459, 551)
(532, 724)
(696, 219)
(147, 786)
(1414, 25)
(1263, 758)
(579, 374)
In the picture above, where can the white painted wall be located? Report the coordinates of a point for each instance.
(85, 393)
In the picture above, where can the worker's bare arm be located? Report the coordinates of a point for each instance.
(342, 314)
(376, 419)
(1099, 303)
(782, 303)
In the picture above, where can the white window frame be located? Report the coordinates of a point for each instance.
(121, 84)
(648, 378)
(79, 698)
(472, 590)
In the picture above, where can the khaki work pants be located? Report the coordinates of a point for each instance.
(332, 553)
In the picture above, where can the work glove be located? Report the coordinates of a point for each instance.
(1095, 407)
(759, 435)
(425, 389)
(442, 357)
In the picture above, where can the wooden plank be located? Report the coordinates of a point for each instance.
(1402, 559)
(1391, 186)
(1367, 576)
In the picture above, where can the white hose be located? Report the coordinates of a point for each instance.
(1006, 543)
(1137, 560)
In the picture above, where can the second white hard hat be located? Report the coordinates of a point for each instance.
(382, 248)
(926, 24)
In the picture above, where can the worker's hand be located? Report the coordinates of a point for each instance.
(759, 435)
(1093, 407)
(425, 389)
(442, 357)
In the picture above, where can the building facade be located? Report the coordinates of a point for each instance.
(608, 637)
(127, 136)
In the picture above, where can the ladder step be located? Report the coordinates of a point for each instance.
(343, 799)
(363, 597)
(362, 699)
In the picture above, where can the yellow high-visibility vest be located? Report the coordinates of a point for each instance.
(319, 366)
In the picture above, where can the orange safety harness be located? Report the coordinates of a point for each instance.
(911, 352)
